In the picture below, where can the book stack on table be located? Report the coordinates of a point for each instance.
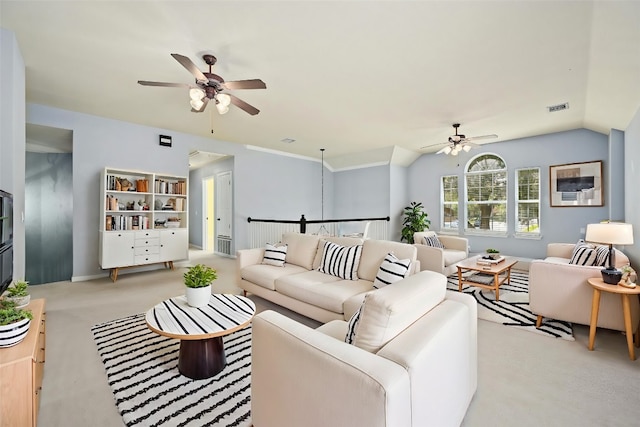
(489, 261)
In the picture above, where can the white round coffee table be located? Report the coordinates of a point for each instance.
(200, 330)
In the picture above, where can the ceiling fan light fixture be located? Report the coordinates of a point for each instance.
(196, 94)
(223, 99)
(447, 150)
(222, 109)
(196, 104)
(466, 148)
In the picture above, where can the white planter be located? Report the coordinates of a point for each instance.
(198, 297)
(21, 302)
(14, 333)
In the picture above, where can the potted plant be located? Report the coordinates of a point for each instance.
(198, 281)
(493, 253)
(18, 293)
(415, 220)
(14, 323)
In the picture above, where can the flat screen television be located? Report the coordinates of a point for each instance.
(6, 240)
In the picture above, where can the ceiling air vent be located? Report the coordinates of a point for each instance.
(558, 107)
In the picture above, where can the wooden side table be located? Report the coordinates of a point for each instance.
(599, 286)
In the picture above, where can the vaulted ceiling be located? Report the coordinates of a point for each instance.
(361, 79)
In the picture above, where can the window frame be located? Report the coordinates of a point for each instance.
(527, 234)
(505, 201)
(444, 204)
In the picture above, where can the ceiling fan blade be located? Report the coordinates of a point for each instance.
(205, 101)
(191, 67)
(146, 83)
(245, 84)
(243, 105)
(442, 150)
(476, 138)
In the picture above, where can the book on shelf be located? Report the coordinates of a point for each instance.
(488, 261)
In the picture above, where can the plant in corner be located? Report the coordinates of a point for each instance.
(198, 281)
(415, 220)
(14, 323)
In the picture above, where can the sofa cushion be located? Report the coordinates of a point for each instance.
(452, 256)
(388, 311)
(301, 248)
(374, 252)
(352, 325)
(274, 255)
(340, 261)
(432, 241)
(321, 290)
(340, 240)
(391, 270)
(265, 275)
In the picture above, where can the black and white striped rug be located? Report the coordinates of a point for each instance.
(142, 371)
(513, 307)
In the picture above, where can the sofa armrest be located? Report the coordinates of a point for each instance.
(245, 257)
(560, 250)
(455, 242)
(300, 376)
(430, 257)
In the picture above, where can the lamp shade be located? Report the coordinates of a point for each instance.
(610, 233)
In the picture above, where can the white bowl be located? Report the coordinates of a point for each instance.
(172, 224)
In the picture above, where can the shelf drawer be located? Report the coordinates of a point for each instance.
(147, 259)
(147, 234)
(145, 243)
(146, 250)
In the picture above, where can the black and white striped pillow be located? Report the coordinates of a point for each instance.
(433, 241)
(391, 270)
(274, 255)
(341, 261)
(583, 254)
(353, 326)
(602, 256)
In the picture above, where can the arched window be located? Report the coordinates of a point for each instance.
(486, 194)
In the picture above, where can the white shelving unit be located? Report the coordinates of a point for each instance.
(144, 219)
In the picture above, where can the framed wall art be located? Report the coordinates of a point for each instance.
(576, 184)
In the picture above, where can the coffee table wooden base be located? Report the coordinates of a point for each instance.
(200, 359)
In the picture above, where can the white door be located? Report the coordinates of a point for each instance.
(224, 205)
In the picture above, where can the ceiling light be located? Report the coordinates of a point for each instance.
(196, 104)
(447, 150)
(222, 109)
(466, 148)
(223, 99)
(196, 94)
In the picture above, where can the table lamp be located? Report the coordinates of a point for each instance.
(610, 233)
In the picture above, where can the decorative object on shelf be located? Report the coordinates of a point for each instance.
(14, 323)
(415, 220)
(492, 254)
(198, 281)
(576, 184)
(629, 277)
(18, 293)
(610, 233)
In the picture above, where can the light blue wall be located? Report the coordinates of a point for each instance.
(558, 224)
(361, 193)
(398, 199)
(615, 184)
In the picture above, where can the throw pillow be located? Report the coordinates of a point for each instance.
(274, 255)
(341, 261)
(391, 270)
(583, 254)
(433, 241)
(353, 326)
(602, 256)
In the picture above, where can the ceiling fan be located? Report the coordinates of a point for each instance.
(459, 142)
(210, 86)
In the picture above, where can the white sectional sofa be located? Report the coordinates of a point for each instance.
(412, 363)
(299, 286)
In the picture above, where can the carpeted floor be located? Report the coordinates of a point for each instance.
(513, 307)
(142, 371)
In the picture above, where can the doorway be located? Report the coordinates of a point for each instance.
(208, 200)
(217, 205)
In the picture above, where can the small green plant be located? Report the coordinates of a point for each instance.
(10, 314)
(493, 251)
(199, 276)
(415, 220)
(18, 289)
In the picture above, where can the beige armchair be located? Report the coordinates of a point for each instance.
(560, 291)
(441, 260)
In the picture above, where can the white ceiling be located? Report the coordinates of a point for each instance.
(367, 81)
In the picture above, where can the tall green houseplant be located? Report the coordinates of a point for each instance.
(415, 220)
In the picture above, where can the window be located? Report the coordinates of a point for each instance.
(528, 202)
(449, 202)
(486, 190)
